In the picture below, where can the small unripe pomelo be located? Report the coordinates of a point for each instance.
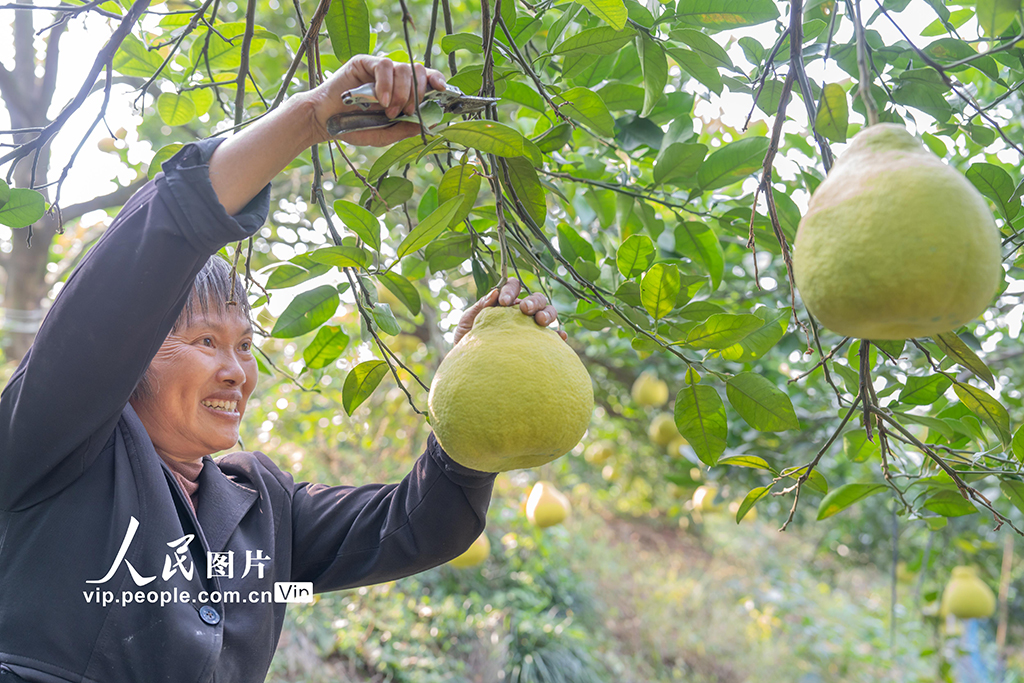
(475, 554)
(676, 445)
(511, 394)
(662, 429)
(546, 506)
(648, 390)
(895, 244)
(966, 596)
(704, 499)
(599, 452)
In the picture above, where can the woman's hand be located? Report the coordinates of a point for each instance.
(535, 304)
(394, 90)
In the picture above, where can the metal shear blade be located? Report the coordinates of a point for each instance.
(451, 99)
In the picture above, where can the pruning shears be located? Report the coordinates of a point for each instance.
(451, 100)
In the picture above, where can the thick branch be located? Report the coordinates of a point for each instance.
(102, 59)
(116, 198)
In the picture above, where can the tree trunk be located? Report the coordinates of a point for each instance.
(26, 267)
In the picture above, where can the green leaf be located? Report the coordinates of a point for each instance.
(339, 257)
(732, 162)
(698, 242)
(659, 289)
(23, 208)
(996, 184)
(202, 98)
(760, 403)
(752, 461)
(834, 114)
(722, 330)
(700, 418)
(635, 255)
(1017, 443)
(725, 14)
(612, 12)
(694, 65)
(588, 108)
(289, 275)
(5, 192)
(678, 160)
(955, 348)
(857, 448)
(325, 348)
(403, 290)
(949, 504)
(654, 66)
(306, 312)
(462, 41)
(987, 408)
(527, 188)
(1014, 492)
(761, 340)
(750, 499)
(995, 16)
(924, 90)
(385, 319)
(134, 59)
(225, 46)
(713, 54)
(487, 136)
(162, 155)
(360, 221)
(393, 191)
(846, 495)
(923, 391)
(448, 251)
(430, 227)
(175, 110)
(360, 383)
(603, 40)
(462, 180)
(406, 149)
(815, 481)
(572, 245)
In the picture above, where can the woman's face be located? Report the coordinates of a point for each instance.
(201, 378)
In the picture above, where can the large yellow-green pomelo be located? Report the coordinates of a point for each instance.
(895, 243)
(511, 394)
(648, 390)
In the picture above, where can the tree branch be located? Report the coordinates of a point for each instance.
(102, 59)
(116, 198)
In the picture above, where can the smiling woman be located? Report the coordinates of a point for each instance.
(114, 517)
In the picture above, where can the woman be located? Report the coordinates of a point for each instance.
(126, 552)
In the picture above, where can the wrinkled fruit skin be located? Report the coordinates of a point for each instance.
(648, 390)
(546, 505)
(474, 555)
(895, 244)
(966, 596)
(511, 394)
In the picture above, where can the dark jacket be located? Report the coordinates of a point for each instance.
(90, 513)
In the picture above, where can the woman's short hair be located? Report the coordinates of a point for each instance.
(218, 288)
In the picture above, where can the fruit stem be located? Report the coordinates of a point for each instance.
(853, 7)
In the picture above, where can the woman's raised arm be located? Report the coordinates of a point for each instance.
(61, 405)
(248, 161)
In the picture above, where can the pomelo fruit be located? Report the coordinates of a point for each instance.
(648, 390)
(966, 596)
(511, 394)
(546, 506)
(599, 452)
(474, 555)
(662, 429)
(895, 244)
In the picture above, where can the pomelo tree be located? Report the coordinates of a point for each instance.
(646, 168)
